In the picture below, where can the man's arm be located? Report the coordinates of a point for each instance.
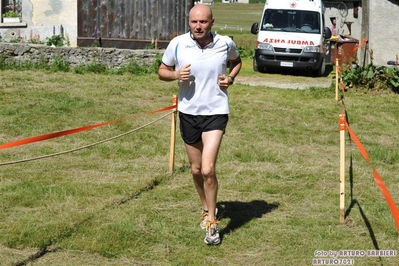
(235, 67)
(225, 81)
(166, 73)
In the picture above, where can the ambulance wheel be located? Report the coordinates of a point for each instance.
(257, 68)
(255, 65)
(321, 71)
(262, 69)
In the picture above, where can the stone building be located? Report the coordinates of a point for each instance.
(368, 20)
(130, 24)
(40, 19)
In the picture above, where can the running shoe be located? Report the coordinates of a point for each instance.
(204, 219)
(212, 233)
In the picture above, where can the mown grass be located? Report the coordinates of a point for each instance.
(236, 20)
(116, 204)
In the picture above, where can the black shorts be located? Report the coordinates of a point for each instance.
(192, 126)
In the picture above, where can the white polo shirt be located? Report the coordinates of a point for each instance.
(201, 95)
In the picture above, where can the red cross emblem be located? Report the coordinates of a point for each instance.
(293, 5)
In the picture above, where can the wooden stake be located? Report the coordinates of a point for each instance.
(173, 137)
(342, 127)
(336, 78)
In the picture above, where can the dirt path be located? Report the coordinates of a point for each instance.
(284, 81)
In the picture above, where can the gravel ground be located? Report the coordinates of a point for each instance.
(284, 81)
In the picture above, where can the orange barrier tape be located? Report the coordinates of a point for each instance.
(342, 121)
(339, 70)
(341, 82)
(72, 131)
(364, 41)
(377, 178)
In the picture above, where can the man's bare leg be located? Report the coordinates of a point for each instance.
(202, 157)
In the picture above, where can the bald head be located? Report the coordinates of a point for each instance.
(201, 9)
(201, 22)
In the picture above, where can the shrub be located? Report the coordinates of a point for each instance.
(372, 77)
(55, 40)
(11, 14)
(59, 65)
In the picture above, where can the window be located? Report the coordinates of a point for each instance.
(291, 21)
(11, 6)
(11, 13)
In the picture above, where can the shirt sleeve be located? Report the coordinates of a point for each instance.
(168, 57)
(233, 53)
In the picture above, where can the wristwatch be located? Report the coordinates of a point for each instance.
(232, 80)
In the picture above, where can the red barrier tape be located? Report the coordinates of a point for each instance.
(341, 82)
(377, 178)
(357, 47)
(364, 41)
(72, 131)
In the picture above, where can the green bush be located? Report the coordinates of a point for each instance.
(11, 14)
(372, 77)
(246, 52)
(56, 40)
(59, 65)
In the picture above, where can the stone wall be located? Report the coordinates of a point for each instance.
(113, 58)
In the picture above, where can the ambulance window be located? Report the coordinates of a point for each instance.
(310, 22)
(275, 19)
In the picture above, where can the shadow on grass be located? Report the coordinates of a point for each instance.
(354, 203)
(241, 213)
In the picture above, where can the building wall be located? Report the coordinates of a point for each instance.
(347, 23)
(383, 31)
(112, 19)
(380, 18)
(43, 18)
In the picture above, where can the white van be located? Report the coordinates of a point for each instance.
(291, 35)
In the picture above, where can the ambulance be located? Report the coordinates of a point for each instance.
(291, 35)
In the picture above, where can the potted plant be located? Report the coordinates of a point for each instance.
(11, 17)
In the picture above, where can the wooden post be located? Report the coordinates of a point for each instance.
(336, 78)
(173, 137)
(342, 128)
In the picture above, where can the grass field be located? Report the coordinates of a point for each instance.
(236, 20)
(115, 202)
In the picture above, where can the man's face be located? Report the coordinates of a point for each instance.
(201, 24)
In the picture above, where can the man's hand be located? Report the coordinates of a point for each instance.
(167, 73)
(184, 73)
(224, 82)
